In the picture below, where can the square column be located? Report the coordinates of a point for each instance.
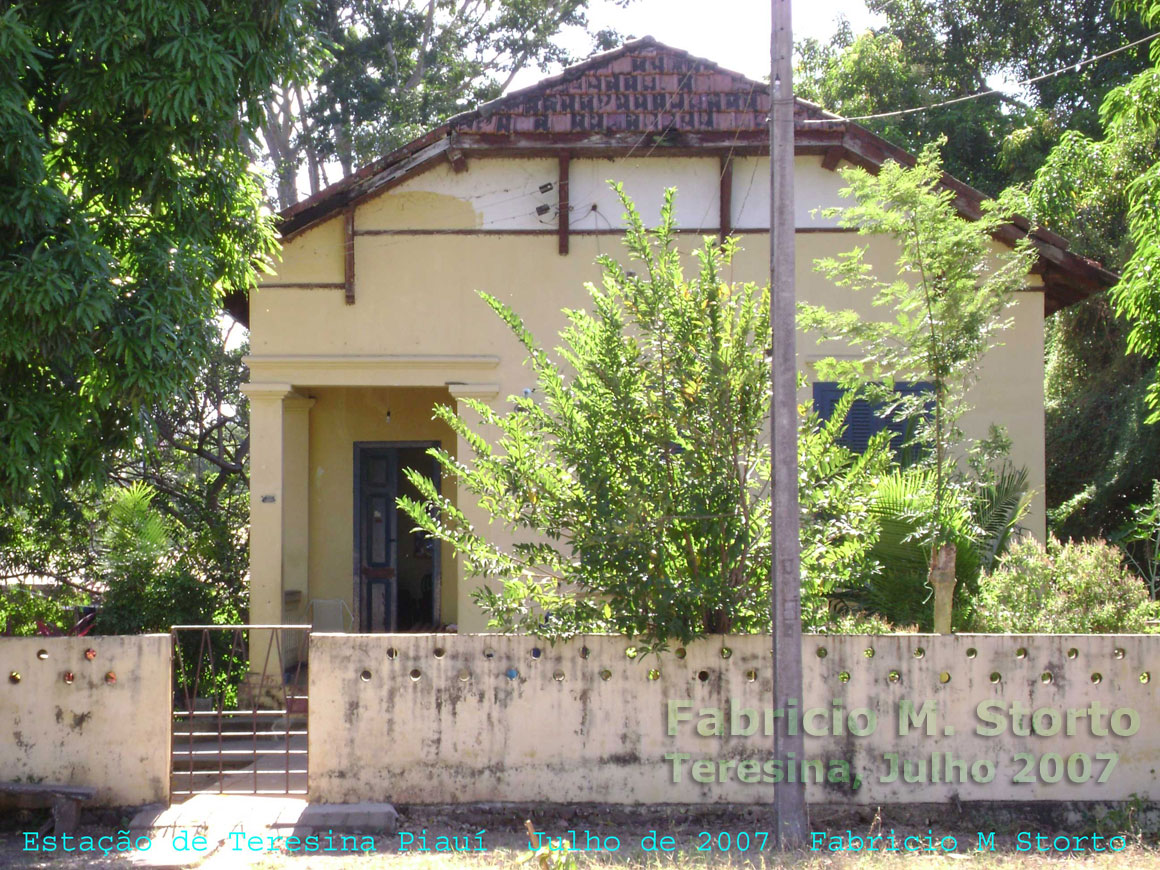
(279, 510)
(470, 618)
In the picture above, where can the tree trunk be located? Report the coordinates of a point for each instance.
(942, 578)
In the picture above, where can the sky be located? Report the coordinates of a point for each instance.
(732, 33)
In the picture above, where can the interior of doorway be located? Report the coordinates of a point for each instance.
(397, 570)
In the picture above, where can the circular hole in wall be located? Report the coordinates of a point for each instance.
(585, 652)
(726, 653)
(464, 675)
(511, 673)
(558, 676)
(90, 654)
(1117, 653)
(1145, 677)
(996, 676)
(972, 652)
(751, 675)
(944, 677)
(488, 653)
(822, 652)
(605, 674)
(365, 676)
(392, 653)
(894, 676)
(537, 652)
(868, 652)
(69, 676)
(1021, 653)
(1097, 678)
(631, 652)
(654, 674)
(415, 675)
(703, 676)
(843, 676)
(919, 652)
(14, 677)
(110, 678)
(440, 652)
(1073, 653)
(42, 654)
(680, 652)
(1047, 678)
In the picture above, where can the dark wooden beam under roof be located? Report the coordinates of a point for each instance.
(618, 103)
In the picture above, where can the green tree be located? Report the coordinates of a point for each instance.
(128, 211)
(1128, 111)
(930, 51)
(1101, 453)
(638, 485)
(946, 297)
(195, 468)
(394, 69)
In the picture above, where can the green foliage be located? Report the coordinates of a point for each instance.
(1140, 540)
(128, 210)
(196, 467)
(1101, 454)
(838, 491)
(946, 299)
(1077, 587)
(930, 51)
(23, 608)
(982, 523)
(396, 68)
(149, 584)
(637, 487)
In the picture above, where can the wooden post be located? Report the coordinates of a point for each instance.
(562, 190)
(789, 798)
(725, 222)
(348, 244)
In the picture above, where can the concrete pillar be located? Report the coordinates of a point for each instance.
(295, 507)
(279, 438)
(470, 617)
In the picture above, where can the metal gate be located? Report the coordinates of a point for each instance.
(239, 723)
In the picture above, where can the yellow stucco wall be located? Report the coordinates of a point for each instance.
(418, 321)
(339, 419)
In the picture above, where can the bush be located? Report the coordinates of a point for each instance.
(25, 611)
(1079, 587)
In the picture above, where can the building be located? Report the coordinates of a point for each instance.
(372, 318)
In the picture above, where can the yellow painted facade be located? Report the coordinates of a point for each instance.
(324, 373)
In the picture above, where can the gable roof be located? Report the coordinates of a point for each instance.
(646, 98)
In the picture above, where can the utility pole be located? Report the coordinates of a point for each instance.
(789, 800)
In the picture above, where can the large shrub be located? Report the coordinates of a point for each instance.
(1079, 587)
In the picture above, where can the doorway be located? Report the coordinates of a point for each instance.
(396, 570)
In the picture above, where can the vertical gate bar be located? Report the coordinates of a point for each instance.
(219, 703)
(172, 716)
(285, 697)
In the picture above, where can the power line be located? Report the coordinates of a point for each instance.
(1069, 68)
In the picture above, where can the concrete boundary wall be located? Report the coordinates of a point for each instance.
(90, 711)
(892, 719)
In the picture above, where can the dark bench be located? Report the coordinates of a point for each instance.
(65, 800)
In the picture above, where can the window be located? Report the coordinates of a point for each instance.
(863, 421)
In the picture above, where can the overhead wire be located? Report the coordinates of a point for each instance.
(1069, 68)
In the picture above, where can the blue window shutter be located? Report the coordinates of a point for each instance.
(863, 421)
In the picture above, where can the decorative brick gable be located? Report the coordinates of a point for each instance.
(645, 87)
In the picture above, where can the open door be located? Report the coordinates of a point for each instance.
(397, 571)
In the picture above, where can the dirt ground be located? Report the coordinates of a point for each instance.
(1022, 837)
